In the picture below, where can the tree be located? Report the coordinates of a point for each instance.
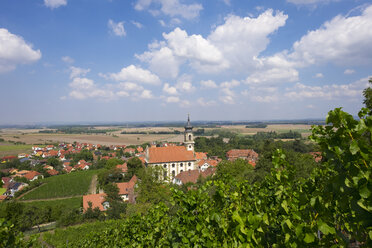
(134, 165)
(367, 93)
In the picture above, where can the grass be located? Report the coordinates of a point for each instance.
(73, 184)
(12, 147)
(72, 203)
(2, 191)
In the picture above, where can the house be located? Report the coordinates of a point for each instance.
(6, 181)
(52, 172)
(131, 151)
(14, 187)
(3, 197)
(201, 155)
(97, 201)
(68, 169)
(246, 154)
(33, 175)
(8, 158)
(193, 175)
(139, 149)
(126, 190)
(123, 168)
(82, 166)
(173, 159)
(206, 163)
(48, 167)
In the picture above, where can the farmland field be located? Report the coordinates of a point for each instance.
(73, 184)
(2, 191)
(7, 149)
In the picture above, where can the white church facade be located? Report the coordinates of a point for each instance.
(174, 159)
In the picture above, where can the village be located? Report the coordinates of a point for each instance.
(179, 164)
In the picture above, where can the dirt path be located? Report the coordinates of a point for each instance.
(52, 199)
(19, 197)
(93, 185)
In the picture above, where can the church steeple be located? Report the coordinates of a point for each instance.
(189, 137)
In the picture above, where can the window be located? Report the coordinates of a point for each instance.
(189, 136)
(173, 173)
(181, 170)
(173, 165)
(181, 164)
(164, 175)
(189, 164)
(165, 166)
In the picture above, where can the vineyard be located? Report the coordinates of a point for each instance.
(329, 208)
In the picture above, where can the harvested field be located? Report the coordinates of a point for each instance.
(122, 139)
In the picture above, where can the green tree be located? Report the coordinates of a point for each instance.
(134, 165)
(367, 93)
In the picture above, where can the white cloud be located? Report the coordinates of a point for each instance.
(309, 2)
(128, 86)
(349, 71)
(170, 8)
(273, 76)
(14, 50)
(55, 3)
(344, 91)
(319, 75)
(209, 84)
(241, 40)
(116, 28)
(67, 59)
(146, 94)
(83, 88)
(227, 2)
(343, 41)
(202, 102)
(78, 72)
(171, 99)
(233, 45)
(184, 84)
(170, 89)
(228, 96)
(230, 84)
(162, 61)
(122, 93)
(137, 24)
(134, 74)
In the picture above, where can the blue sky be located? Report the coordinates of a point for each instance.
(157, 60)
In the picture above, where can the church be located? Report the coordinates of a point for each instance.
(174, 159)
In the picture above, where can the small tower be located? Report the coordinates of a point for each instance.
(189, 137)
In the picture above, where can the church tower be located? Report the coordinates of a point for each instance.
(189, 137)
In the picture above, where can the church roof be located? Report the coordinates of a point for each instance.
(169, 154)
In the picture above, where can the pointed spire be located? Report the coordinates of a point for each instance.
(188, 125)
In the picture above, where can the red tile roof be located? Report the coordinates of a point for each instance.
(96, 200)
(193, 175)
(52, 172)
(201, 155)
(122, 167)
(317, 156)
(31, 175)
(126, 187)
(68, 168)
(169, 154)
(242, 153)
(211, 162)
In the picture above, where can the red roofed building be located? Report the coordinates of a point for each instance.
(52, 172)
(68, 169)
(33, 175)
(126, 189)
(174, 159)
(201, 155)
(193, 175)
(123, 168)
(8, 158)
(139, 149)
(97, 200)
(206, 163)
(246, 154)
